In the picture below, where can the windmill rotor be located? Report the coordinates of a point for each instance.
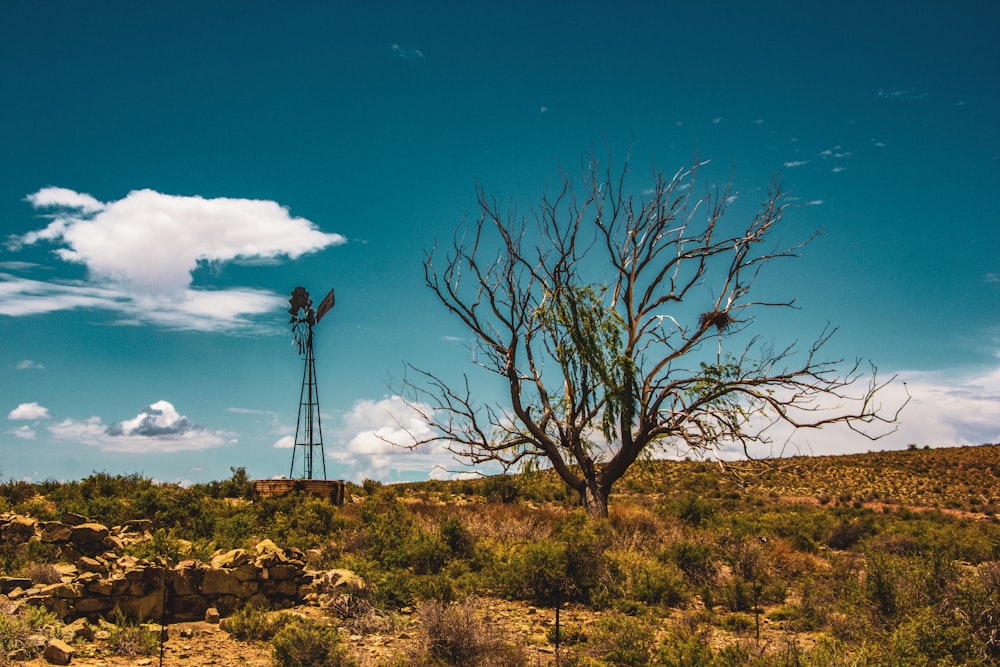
(308, 428)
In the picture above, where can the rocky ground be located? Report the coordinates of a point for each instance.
(201, 643)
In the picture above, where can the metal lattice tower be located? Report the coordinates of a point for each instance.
(308, 427)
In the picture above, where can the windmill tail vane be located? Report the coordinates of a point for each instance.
(308, 428)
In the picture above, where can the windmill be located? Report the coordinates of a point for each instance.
(308, 428)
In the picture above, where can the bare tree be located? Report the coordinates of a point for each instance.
(620, 326)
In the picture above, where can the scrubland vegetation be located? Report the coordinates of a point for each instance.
(875, 559)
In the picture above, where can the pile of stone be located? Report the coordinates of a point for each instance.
(95, 579)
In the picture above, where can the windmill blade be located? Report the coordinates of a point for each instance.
(300, 301)
(324, 306)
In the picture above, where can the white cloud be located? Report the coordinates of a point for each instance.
(286, 442)
(29, 412)
(157, 428)
(371, 441)
(141, 251)
(795, 163)
(28, 365)
(53, 197)
(24, 433)
(944, 410)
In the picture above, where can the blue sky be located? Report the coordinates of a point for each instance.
(170, 171)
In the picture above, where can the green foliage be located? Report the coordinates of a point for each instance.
(307, 643)
(254, 623)
(697, 560)
(455, 635)
(590, 341)
(130, 639)
(693, 509)
(656, 582)
(626, 641)
(17, 628)
(537, 571)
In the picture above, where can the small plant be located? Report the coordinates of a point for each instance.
(253, 623)
(131, 640)
(455, 635)
(307, 643)
(622, 640)
(16, 630)
(42, 573)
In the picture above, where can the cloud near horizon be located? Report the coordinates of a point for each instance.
(28, 412)
(157, 428)
(141, 252)
(372, 438)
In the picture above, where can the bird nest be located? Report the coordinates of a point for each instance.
(718, 319)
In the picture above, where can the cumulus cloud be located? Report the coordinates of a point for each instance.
(24, 433)
(286, 442)
(29, 412)
(156, 428)
(944, 410)
(370, 439)
(795, 163)
(141, 252)
(28, 365)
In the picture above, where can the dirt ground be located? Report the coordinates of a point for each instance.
(198, 644)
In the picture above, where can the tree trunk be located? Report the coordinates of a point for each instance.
(595, 501)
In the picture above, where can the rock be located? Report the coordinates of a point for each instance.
(185, 580)
(74, 519)
(189, 607)
(8, 584)
(79, 629)
(58, 652)
(18, 530)
(66, 570)
(341, 579)
(230, 559)
(89, 605)
(220, 582)
(145, 607)
(212, 616)
(283, 572)
(61, 590)
(138, 526)
(89, 538)
(56, 531)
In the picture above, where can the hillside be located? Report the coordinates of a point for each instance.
(869, 559)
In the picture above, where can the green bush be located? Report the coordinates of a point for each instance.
(254, 624)
(130, 639)
(536, 571)
(660, 583)
(307, 643)
(624, 641)
(454, 634)
(695, 559)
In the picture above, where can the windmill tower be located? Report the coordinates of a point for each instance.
(308, 428)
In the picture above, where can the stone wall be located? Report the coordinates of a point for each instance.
(95, 577)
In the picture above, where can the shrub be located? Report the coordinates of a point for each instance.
(457, 537)
(692, 509)
(129, 639)
(454, 634)
(738, 623)
(307, 643)
(16, 630)
(500, 489)
(686, 645)
(624, 641)
(254, 624)
(695, 559)
(537, 571)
